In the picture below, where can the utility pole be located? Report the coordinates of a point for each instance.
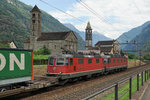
(136, 49)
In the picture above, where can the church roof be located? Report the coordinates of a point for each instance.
(109, 42)
(105, 49)
(54, 36)
(88, 26)
(35, 9)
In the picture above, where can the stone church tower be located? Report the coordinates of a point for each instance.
(35, 26)
(88, 36)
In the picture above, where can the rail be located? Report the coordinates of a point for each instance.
(116, 97)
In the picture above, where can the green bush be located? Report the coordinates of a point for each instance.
(42, 51)
(147, 57)
(4, 45)
(131, 56)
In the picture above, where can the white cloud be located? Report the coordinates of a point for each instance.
(121, 14)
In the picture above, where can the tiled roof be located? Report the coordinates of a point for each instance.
(88, 26)
(35, 9)
(5, 41)
(110, 42)
(53, 36)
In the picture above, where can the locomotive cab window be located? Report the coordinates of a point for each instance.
(60, 61)
(51, 61)
(80, 61)
(89, 61)
(97, 60)
(66, 62)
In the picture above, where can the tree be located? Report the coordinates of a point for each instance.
(42, 51)
(121, 52)
(131, 56)
(4, 45)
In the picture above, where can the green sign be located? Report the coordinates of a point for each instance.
(15, 64)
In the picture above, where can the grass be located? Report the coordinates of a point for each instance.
(122, 90)
(38, 57)
(132, 59)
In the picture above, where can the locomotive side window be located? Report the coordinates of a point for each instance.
(51, 61)
(105, 61)
(89, 61)
(60, 61)
(97, 60)
(80, 61)
(114, 60)
(118, 61)
(71, 61)
(66, 62)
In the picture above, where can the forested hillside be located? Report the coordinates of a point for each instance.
(15, 22)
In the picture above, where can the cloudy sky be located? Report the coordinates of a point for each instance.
(108, 17)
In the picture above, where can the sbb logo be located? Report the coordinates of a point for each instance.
(12, 59)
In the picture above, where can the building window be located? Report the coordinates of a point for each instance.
(55, 46)
(33, 21)
(33, 29)
(33, 15)
(80, 61)
(89, 61)
(97, 60)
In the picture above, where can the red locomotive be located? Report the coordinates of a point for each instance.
(68, 66)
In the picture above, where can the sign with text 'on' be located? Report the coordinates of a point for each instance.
(15, 63)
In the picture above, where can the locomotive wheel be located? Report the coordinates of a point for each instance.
(106, 72)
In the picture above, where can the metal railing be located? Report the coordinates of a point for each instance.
(116, 96)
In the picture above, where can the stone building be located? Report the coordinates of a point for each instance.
(11, 44)
(55, 41)
(88, 36)
(108, 47)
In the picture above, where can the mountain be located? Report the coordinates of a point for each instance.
(81, 42)
(143, 37)
(130, 35)
(15, 22)
(99, 37)
(96, 36)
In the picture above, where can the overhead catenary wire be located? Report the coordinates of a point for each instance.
(96, 14)
(92, 11)
(68, 14)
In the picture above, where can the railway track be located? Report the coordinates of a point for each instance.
(79, 90)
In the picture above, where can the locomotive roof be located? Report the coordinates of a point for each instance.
(87, 56)
(77, 55)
